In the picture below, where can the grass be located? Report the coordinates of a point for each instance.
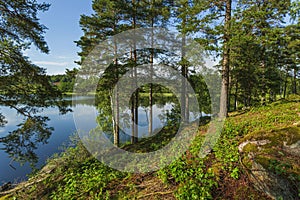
(220, 175)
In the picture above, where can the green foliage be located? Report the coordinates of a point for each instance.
(19, 23)
(108, 20)
(198, 178)
(195, 182)
(278, 167)
(259, 49)
(24, 86)
(65, 82)
(88, 179)
(219, 175)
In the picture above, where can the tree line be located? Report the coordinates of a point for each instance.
(64, 82)
(255, 43)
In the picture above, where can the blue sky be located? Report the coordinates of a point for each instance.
(62, 21)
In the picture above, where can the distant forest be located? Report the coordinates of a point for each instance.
(64, 82)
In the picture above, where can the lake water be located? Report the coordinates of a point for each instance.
(64, 127)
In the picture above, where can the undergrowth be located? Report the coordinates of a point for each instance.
(220, 175)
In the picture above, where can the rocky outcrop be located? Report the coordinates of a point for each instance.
(272, 161)
(274, 185)
(293, 149)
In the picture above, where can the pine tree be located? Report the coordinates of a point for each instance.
(212, 21)
(182, 14)
(262, 22)
(24, 86)
(158, 13)
(105, 22)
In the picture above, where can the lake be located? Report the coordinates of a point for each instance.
(64, 127)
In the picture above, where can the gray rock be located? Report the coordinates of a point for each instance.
(275, 186)
(293, 149)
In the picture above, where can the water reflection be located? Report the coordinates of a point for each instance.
(28, 143)
(20, 144)
(165, 110)
(30, 131)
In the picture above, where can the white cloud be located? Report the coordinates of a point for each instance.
(66, 57)
(50, 63)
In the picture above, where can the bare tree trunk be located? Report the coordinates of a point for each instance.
(235, 95)
(225, 63)
(263, 87)
(295, 81)
(135, 97)
(117, 112)
(183, 78)
(285, 84)
(150, 127)
(136, 115)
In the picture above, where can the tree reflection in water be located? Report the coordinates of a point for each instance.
(21, 144)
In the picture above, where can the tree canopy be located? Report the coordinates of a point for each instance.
(24, 86)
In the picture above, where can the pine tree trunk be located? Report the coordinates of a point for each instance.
(132, 107)
(117, 129)
(136, 107)
(135, 96)
(235, 95)
(295, 81)
(150, 127)
(225, 63)
(285, 84)
(229, 94)
(187, 110)
(271, 97)
(116, 124)
(115, 108)
(250, 98)
(183, 79)
(263, 82)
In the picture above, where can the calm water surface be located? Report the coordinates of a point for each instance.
(64, 127)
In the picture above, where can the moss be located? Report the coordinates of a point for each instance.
(247, 162)
(250, 148)
(264, 161)
(271, 156)
(216, 169)
(290, 135)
